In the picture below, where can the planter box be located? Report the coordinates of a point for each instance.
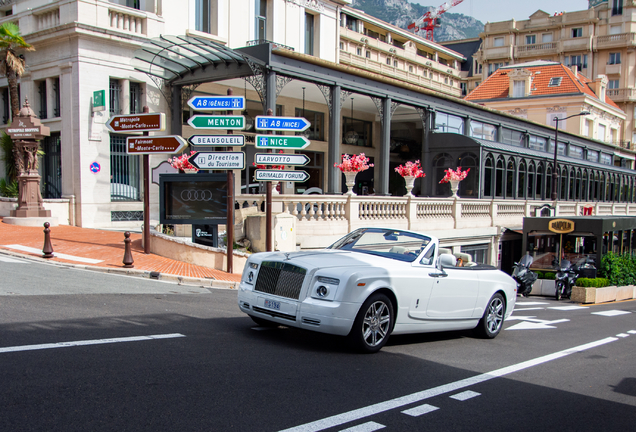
(536, 287)
(625, 292)
(547, 287)
(593, 295)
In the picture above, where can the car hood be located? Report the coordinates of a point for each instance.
(328, 258)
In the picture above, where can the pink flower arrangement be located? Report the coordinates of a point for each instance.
(355, 163)
(458, 175)
(182, 163)
(410, 169)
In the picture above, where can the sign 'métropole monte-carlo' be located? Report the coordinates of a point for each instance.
(218, 140)
(202, 121)
(155, 144)
(218, 161)
(278, 175)
(212, 103)
(145, 122)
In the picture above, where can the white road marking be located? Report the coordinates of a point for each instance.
(611, 313)
(366, 427)
(521, 318)
(88, 342)
(58, 255)
(468, 394)
(380, 407)
(527, 309)
(10, 260)
(622, 335)
(531, 303)
(632, 332)
(420, 410)
(568, 308)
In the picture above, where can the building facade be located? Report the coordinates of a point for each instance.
(598, 41)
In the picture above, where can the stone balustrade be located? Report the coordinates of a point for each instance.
(320, 219)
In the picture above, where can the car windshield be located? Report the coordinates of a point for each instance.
(394, 244)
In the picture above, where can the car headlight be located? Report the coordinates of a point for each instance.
(325, 288)
(250, 273)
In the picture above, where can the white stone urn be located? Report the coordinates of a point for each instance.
(454, 188)
(410, 182)
(350, 181)
(275, 188)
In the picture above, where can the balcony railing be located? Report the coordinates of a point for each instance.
(127, 20)
(536, 49)
(615, 40)
(622, 94)
(338, 214)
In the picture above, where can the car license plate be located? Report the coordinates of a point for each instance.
(271, 304)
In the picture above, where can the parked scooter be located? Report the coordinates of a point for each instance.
(565, 279)
(524, 276)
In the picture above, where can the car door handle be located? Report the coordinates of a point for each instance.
(436, 275)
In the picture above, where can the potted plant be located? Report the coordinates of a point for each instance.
(410, 171)
(350, 167)
(454, 177)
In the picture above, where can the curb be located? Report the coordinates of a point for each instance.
(180, 280)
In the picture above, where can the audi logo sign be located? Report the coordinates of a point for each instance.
(193, 199)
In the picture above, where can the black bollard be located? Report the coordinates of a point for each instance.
(47, 250)
(128, 258)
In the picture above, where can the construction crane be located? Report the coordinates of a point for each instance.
(430, 19)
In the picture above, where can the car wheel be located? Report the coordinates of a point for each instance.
(263, 322)
(491, 323)
(373, 324)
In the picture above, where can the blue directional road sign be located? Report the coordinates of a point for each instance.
(214, 103)
(292, 124)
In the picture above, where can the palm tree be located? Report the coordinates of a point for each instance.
(12, 65)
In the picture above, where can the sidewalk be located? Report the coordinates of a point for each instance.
(103, 250)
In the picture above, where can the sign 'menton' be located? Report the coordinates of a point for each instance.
(202, 121)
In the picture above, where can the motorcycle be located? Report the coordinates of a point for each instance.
(565, 279)
(524, 276)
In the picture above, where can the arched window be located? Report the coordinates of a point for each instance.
(601, 190)
(595, 186)
(441, 162)
(499, 177)
(510, 178)
(563, 184)
(538, 191)
(469, 187)
(522, 180)
(572, 185)
(548, 182)
(489, 172)
(531, 180)
(584, 183)
(609, 188)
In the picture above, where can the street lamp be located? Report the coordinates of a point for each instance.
(555, 175)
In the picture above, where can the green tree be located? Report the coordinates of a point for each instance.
(12, 64)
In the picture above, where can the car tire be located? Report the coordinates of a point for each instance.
(373, 324)
(491, 323)
(263, 322)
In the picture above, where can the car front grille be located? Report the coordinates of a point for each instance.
(281, 279)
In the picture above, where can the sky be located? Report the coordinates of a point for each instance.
(504, 10)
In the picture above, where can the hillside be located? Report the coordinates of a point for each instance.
(401, 13)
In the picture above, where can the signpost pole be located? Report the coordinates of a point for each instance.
(268, 205)
(229, 230)
(146, 162)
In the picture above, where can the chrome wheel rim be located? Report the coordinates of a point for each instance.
(376, 323)
(494, 317)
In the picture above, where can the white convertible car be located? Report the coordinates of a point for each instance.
(375, 282)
